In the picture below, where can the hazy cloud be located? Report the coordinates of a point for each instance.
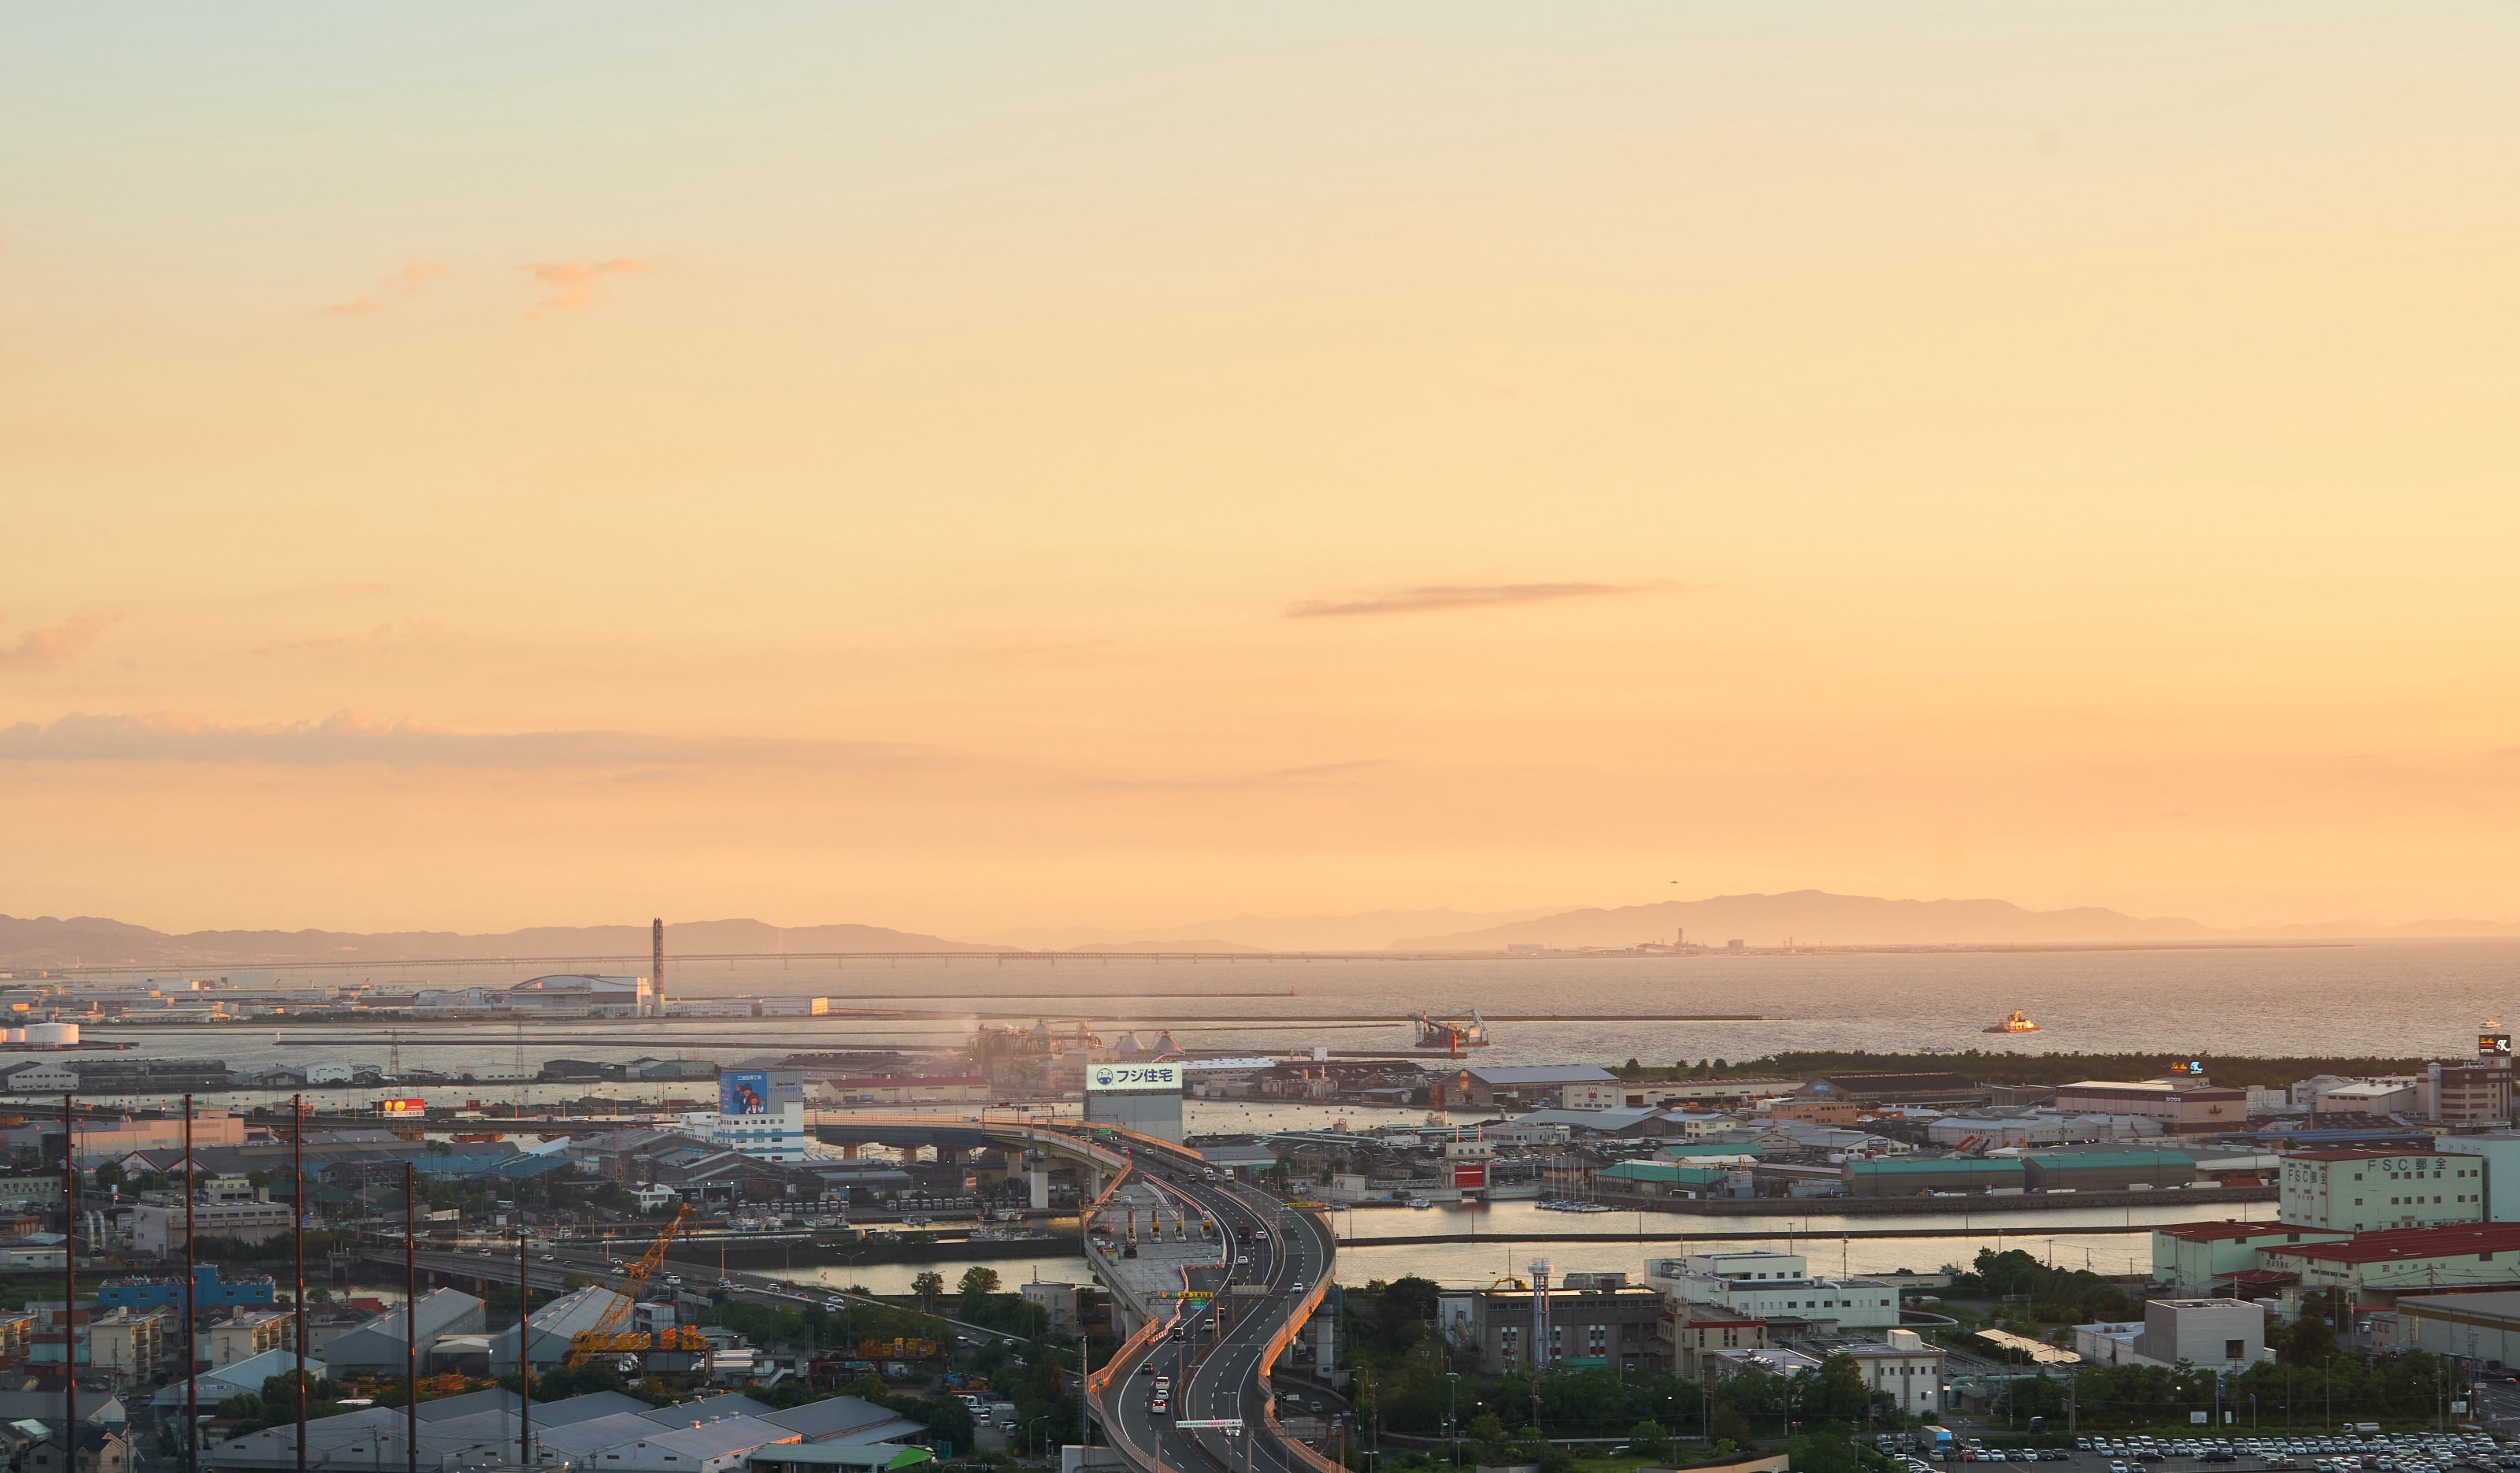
(575, 282)
(1441, 596)
(48, 645)
(385, 638)
(1319, 774)
(414, 275)
(353, 737)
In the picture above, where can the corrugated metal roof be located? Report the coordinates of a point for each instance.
(1954, 1165)
(2403, 1244)
(1658, 1171)
(2066, 1161)
(1542, 1073)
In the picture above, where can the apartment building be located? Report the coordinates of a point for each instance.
(245, 1334)
(132, 1342)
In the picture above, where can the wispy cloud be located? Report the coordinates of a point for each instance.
(574, 282)
(353, 737)
(48, 645)
(387, 637)
(1316, 775)
(414, 275)
(1439, 597)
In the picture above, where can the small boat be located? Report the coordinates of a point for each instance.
(2016, 1021)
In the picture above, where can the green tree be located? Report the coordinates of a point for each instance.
(1647, 1439)
(977, 1283)
(929, 1286)
(1824, 1453)
(1836, 1390)
(1729, 1425)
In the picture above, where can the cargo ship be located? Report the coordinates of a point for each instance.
(1452, 1037)
(2018, 1022)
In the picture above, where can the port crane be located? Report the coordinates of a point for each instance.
(607, 1338)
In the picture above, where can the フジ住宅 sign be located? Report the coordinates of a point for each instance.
(1133, 1078)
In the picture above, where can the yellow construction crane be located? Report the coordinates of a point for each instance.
(607, 1338)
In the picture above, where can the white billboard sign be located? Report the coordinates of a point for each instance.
(1133, 1078)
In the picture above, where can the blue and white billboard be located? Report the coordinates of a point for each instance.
(745, 1093)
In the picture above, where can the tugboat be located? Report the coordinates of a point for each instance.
(2016, 1021)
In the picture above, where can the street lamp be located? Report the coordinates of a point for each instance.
(1452, 1411)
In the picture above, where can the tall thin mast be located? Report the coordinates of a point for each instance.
(410, 1318)
(70, 1281)
(524, 1333)
(297, 1212)
(191, 1355)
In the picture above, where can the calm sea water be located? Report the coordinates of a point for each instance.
(2401, 999)
(2404, 998)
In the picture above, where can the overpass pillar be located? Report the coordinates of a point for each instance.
(849, 1149)
(1324, 1344)
(1040, 1174)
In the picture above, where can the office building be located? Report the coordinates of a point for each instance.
(2362, 1190)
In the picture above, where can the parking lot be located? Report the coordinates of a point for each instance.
(2375, 1453)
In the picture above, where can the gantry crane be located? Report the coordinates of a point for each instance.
(607, 1338)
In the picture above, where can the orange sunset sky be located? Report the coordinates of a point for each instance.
(967, 466)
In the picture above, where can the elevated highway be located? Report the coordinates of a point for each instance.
(1265, 1281)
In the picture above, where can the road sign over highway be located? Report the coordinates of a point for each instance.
(1226, 1424)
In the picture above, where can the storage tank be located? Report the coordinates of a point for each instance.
(52, 1035)
(15, 1034)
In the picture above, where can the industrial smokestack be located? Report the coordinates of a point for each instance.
(656, 961)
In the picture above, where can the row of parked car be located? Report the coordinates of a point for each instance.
(2380, 1452)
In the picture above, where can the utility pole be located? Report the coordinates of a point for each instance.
(192, 1356)
(410, 1320)
(70, 1281)
(524, 1335)
(297, 1234)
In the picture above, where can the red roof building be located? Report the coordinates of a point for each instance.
(2404, 1261)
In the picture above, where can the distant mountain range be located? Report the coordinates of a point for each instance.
(1814, 917)
(45, 942)
(1367, 930)
(1808, 918)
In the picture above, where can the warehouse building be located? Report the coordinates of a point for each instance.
(2200, 1258)
(1921, 1176)
(2469, 1327)
(1519, 1084)
(2374, 1268)
(1655, 1180)
(2183, 1106)
(2107, 1171)
(2362, 1190)
(1594, 1320)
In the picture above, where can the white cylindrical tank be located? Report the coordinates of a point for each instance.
(52, 1035)
(15, 1034)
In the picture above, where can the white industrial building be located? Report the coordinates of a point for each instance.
(561, 994)
(2498, 1153)
(2366, 1191)
(1763, 1284)
(2213, 1334)
(1905, 1373)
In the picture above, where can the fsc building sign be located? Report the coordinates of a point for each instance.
(1141, 1097)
